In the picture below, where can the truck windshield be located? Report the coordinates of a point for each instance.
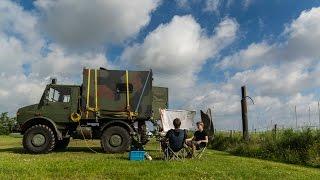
(58, 94)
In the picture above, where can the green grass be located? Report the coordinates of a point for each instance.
(80, 163)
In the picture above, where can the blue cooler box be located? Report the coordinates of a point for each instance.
(136, 155)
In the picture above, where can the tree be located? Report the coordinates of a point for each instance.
(6, 123)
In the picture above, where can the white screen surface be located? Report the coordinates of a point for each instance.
(186, 117)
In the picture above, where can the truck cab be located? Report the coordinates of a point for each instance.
(49, 117)
(57, 103)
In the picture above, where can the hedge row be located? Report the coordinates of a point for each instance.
(296, 147)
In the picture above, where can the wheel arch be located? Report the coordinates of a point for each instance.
(118, 123)
(44, 121)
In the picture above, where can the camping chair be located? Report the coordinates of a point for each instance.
(199, 152)
(170, 154)
(175, 147)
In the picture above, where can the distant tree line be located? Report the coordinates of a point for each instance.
(6, 123)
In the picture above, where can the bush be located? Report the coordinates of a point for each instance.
(314, 155)
(298, 147)
(248, 149)
(6, 124)
(225, 143)
(295, 145)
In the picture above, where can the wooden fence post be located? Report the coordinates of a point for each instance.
(244, 110)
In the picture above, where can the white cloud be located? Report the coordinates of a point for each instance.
(281, 68)
(274, 81)
(16, 21)
(302, 104)
(247, 3)
(21, 44)
(90, 24)
(301, 45)
(212, 6)
(12, 54)
(19, 40)
(60, 63)
(177, 51)
(248, 57)
(185, 4)
(215, 6)
(213, 97)
(303, 34)
(18, 90)
(299, 99)
(279, 76)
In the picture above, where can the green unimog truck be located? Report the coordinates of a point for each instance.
(110, 105)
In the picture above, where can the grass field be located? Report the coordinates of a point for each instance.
(78, 162)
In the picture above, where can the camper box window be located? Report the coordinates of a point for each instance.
(122, 88)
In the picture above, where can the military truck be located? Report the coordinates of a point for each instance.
(110, 105)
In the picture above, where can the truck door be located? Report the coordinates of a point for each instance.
(57, 104)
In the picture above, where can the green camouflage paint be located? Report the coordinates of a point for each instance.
(160, 100)
(111, 92)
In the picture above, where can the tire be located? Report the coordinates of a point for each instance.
(62, 144)
(109, 139)
(39, 139)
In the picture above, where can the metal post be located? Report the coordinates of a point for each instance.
(295, 113)
(319, 112)
(309, 116)
(275, 131)
(244, 109)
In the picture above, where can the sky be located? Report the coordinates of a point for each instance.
(203, 50)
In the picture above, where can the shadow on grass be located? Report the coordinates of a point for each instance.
(81, 149)
(21, 150)
(156, 156)
(16, 150)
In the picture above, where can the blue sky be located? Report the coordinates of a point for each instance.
(203, 50)
(259, 21)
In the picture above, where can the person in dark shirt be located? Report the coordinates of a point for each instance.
(199, 139)
(175, 138)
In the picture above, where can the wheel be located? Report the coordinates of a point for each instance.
(115, 139)
(39, 139)
(62, 144)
